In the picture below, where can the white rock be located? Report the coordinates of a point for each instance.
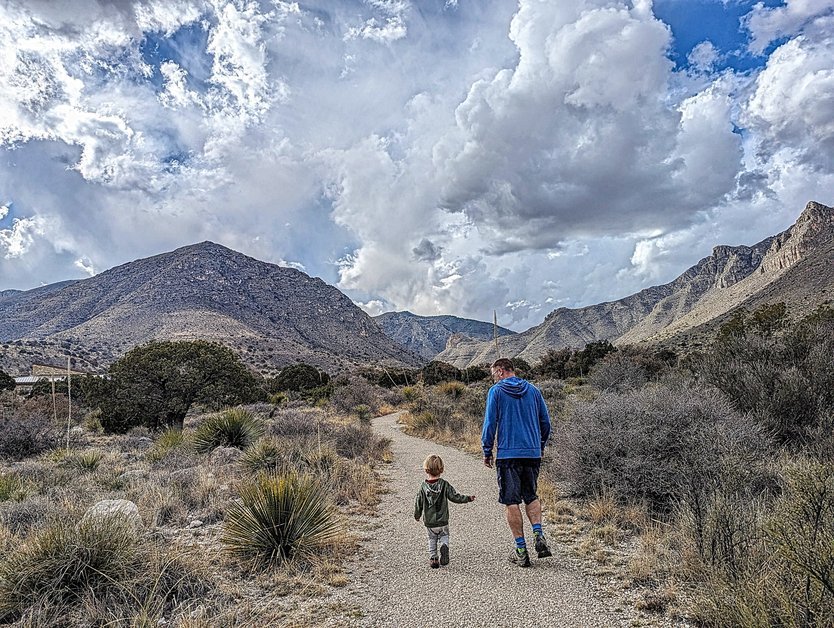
(111, 508)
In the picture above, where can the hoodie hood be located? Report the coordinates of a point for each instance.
(514, 386)
(432, 491)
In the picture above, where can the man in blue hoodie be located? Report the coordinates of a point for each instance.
(517, 418)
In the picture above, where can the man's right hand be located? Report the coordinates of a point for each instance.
(488, 461)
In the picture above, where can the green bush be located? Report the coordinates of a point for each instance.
(436, 372)
(298, 377)
(350, 392)
(280, 517)
(235, 427)
(156, 384)
(6, 381)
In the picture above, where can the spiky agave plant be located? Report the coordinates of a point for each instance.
(280, 516)
(236, 427)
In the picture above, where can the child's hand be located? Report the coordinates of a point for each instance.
(416, 518)
(472, 498)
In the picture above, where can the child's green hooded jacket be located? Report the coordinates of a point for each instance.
(432, 502)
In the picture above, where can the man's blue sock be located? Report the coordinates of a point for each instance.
(520, 543)
(537, 528)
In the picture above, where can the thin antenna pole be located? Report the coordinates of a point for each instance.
(495, 332)
(69, 401)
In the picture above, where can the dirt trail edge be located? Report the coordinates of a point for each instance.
(393, 585)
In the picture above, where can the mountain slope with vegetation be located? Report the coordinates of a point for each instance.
(271, 315)
(428, 335)
(793, 267)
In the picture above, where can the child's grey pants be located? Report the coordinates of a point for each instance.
(437, 535)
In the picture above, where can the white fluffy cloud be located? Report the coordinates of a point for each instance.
(442, 157)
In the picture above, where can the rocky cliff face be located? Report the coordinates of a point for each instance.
(271, 315)
(428, 335)
(729, 277)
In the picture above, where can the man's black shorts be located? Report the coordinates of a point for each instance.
(517, 480)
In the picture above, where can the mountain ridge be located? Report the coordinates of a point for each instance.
(271, 315)
(716, 284)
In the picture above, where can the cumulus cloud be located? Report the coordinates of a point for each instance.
(442, 157)
(768, 24)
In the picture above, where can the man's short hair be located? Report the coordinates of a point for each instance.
(504, 363)
(433, 465)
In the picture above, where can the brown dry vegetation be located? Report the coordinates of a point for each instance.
(58, 568)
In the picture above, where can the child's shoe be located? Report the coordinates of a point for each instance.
(434, 563)
(444, 554)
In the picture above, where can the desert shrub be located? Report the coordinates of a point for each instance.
(784, 381)
(389, 377)
(350, 392)
(64, 561)
(455, 390)
(618, 372)
(801, 532)
(167, 441)
(235, 427)
(659, 445)
(6, 381)
(356, 442)
(363, 413)
(32, 513)
(280, 517)
(474, 373)
(28, 431)
(436, 372)
(298, 377)
(783, 569)
(292, 421)
(156, 384)
(11, 487)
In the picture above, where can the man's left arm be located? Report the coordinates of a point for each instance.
(544, 420)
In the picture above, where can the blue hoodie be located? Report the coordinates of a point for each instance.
(515, 410)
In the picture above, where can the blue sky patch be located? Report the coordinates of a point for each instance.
(186, 48)
(695, 21)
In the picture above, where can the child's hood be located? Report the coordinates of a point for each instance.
(433, 491)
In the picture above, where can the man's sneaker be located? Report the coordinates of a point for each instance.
(444, 554)
(520, 557)
(542, 550)
(433, 563)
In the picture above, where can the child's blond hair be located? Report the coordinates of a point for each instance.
(433, 465)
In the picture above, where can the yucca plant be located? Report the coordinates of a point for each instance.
(263, 455)
(84, 461)
(235, 427)
(280, 517)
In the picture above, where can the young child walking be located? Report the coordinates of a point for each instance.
(432, 503)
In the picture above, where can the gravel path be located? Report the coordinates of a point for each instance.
(394, 586)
